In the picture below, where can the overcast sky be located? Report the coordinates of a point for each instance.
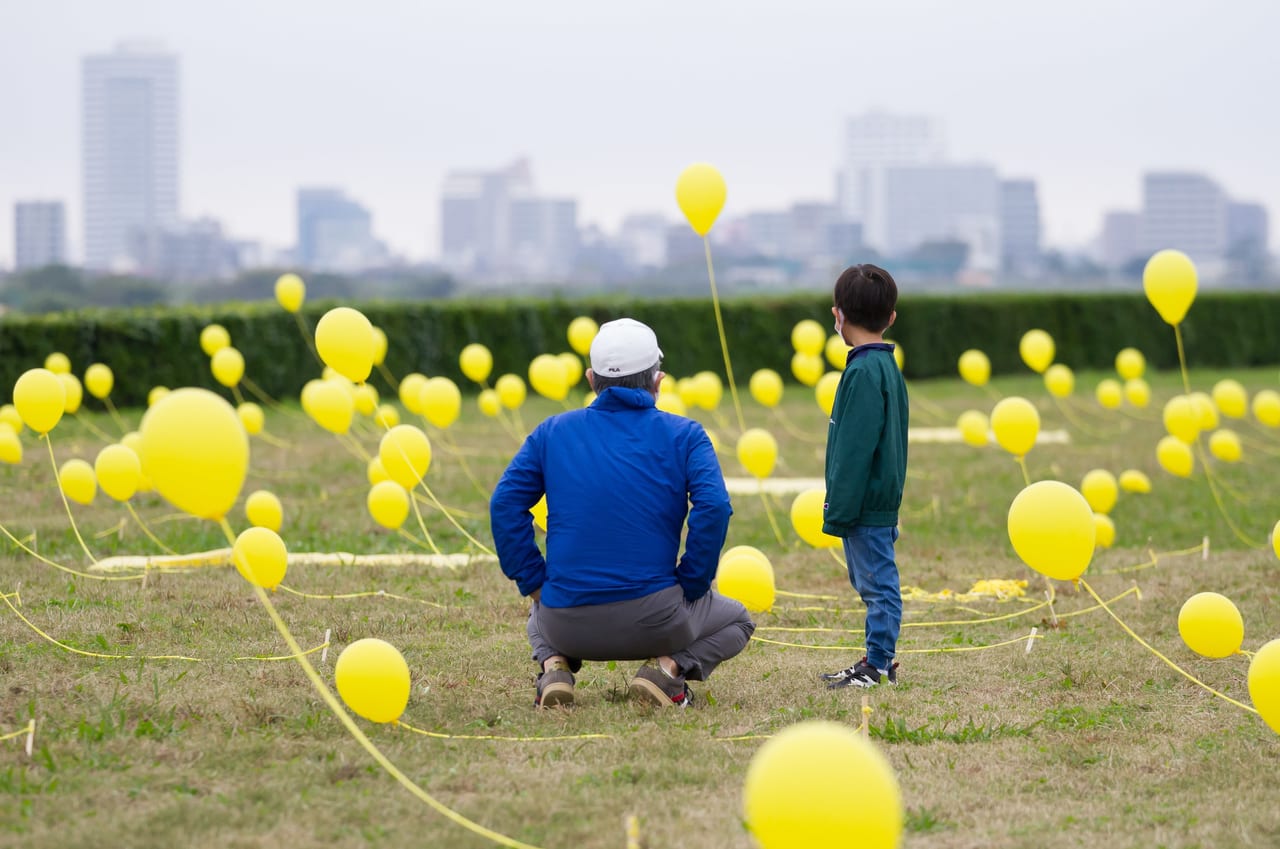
(610, 100)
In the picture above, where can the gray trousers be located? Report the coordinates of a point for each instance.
(697, 635)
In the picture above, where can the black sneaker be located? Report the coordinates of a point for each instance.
(555, 687)
(861, 674)
(655, 686)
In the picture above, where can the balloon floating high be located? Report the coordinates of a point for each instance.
(1169, 280)
(700, 192)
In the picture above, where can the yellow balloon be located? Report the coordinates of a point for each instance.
(802, 784)
(837, 351)
(744, 551)
(388, 504)
(251, 417)
(213, 339)
(975, 368)
(290, 292)
(1264, 684)
(264, 510)
(411, 392)
(261, 557)
(511, 391)
(766, 387)
(808, 337)
(77, 481)
(1060, 380)
(373, 680)
(669, 402)
(155, 394)
(807, 368)
(374, 472)
(1099, 488)
(582, 331)
(75, 393)
(700, 192)
(58, 363)
(1130, 364)
(825, 391)
(1110, 393)
(899, 355)
(573, 371)
(118, 471)
(195, 452)
(99, 380)
(476, 362)
(1052, 530)
(1225, 445)
(1275, 539)
(1169, 280)
(708, 390)
(1266, 407)
(807, 518)
(1206, 413)
(539, 513)
(974, 427)
(440, 401)
(331, 405)
(1036, 349)
(547, 377)
(1181, 419)
(10, 445)
(405, 453)
(40, 399)
(9, 415)
(758, 452)
(1231, 398)
(1104, 530)
(345, 341)
(669, 384)
(366, 399)
(227, 366)
(489, 403)
(379, 346)
(1016, 425)
(1137, 392)
(1211, 625)
(1175, 456)
(386, 416)
(1132, 480)
(747, 579)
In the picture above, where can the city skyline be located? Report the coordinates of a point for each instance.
(255, 128)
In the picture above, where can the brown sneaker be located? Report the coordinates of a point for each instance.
(555, 686)
(655, 686)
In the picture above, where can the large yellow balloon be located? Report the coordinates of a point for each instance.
(40, 399)
(227, 366)
(1175, 456)
(1169, 280)
(1211, 625)
(77, 481)
(1104, 530)
(825, 391)
(379, 346)
(766, 387)
(290, 292)
(511, 390)
(1060, 380)
(1206, 412)
(405, 453)
(1181, 419)
(75, 393)
(1130, 364)
(975, 367)
(388, 504)
(99, 380)
(373, 680)
(1036, 349)
(1110, 393)
(118, 471)
(264, 510)
(1052, 530)
(332, 406)
(250, 415)
(1016, 425)
(1132, 480)
(974, 427)
(1264, 684)
(489, 403)
(807, 368)
(582, 331)
(758, 452)
(837, 351)
(10, 445)
(476, 362)
(1137, 392)
(708, 390)
(1225, 445)
(260, 557)
(808, 337)
(803, 783)
(807, 518)
(747, 579)
(365, 397)
(1266, 407)
(411, 392)
(547, 377)
(344, 340)
(58, 363)
(1231, 398)
(440, 401)
(213, 339)
(195, 452)
(700, 192)
(1099, 488)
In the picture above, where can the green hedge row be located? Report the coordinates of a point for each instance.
(153, 347)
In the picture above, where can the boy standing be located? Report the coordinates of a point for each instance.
(867, 465)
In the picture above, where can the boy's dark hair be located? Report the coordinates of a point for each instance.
(867, 296)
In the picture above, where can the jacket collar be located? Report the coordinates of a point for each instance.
(863, 350)
(619, 398)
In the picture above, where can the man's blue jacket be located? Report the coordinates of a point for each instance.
(620, 477)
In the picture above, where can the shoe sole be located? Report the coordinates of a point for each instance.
(650, 692)
(557, 695)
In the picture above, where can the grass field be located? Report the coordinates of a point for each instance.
(1089, 740)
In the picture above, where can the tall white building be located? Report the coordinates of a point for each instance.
(1019, 226)
(876, 140)
(129, 149)
(909, 205)
(39, 234)
(1186, 211)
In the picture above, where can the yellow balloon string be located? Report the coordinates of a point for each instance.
(93, 428)
(927, 406)
(354, 446)
(274, 441)
(166, 549)
(66, 569)
(66, 504)
(115, 414)
(306, 336)
(724, 341)
(1154, 560)
(836, 557)
(74, 650)
(422, 526)
(773, 523)
(390, 378)
(235, 393)
(792, 430)
(419, 543)
(1022, 464)
(458, 511)
(452, 445)
(407, 727)
(1260, 447)
(807, 595)
(257, 392)
(517, 420)
(320, 647)
(365, 594)
(1073, 421)
(354, 730)
(24, 731)
(1152, 649)
(931, 624)
(946, 650)
(992, 392)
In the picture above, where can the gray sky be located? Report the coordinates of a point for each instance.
(611, 100)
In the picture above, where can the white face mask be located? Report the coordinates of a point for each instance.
(839, 325)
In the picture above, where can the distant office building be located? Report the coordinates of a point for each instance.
(684, 247)
(1118, 243)
(129, 149)
(1019, 226)
(911, 205)
(543, 236)
(335, 233)
(876, 140)
(1247, 229)
(1185, 211)
(39, 234)
(643, 240)
(185, 251)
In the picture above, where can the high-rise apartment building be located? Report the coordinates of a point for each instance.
(1185, 211)
(1118, 244)
(335, 233)
(129, 149)
(39, 234)
(909, 205)
(1019, 226)
(877, 140)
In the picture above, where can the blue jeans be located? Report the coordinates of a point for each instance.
(874, 574)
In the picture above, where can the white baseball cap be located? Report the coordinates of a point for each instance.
(623, 347)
